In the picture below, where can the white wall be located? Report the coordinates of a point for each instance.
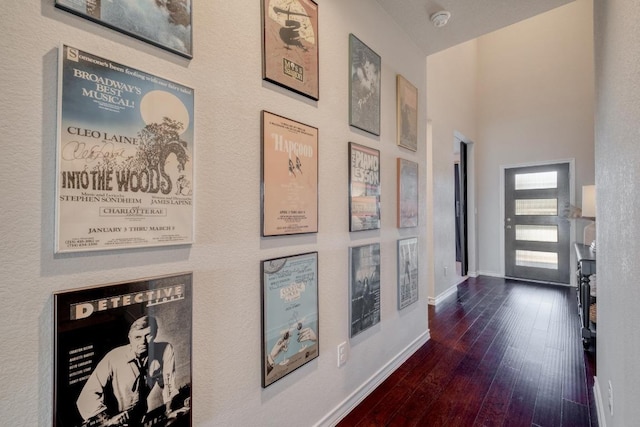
(617, 36)
(535, 104)
(451, 98)
(226, 75)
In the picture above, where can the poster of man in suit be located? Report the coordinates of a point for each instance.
(123, 354)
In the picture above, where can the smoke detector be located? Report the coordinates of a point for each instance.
(440, 19)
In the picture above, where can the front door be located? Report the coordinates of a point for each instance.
(536, 236)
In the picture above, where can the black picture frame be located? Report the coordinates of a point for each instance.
(289, 305)
(290, 51)
(141, 23)
(364, 287)
(365, 69)
(289, 176)
(364, 188)
(99, 331)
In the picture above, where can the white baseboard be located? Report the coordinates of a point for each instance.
(490, 274)
(453, 289)
(597, 395)
(340, 411)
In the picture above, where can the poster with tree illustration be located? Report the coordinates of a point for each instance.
(125, 148)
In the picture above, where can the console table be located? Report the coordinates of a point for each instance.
(586, 267)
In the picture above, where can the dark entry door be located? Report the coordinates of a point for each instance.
(462, 251)
(536, 236)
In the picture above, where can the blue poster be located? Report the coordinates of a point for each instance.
(125, 156)
(164, 23)
(290, 314)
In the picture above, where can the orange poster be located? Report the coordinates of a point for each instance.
(290, 45)
(289, 176)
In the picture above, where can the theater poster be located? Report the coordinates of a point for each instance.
(289, 314)
(122, 354)
(364, 188)
(289, 176)
(407, 272)
(290, 45)
(164, 23)
(125, 156)
(364, 288)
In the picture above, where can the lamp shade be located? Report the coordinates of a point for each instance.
(589, 201)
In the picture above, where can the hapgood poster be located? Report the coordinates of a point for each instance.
(289, 176)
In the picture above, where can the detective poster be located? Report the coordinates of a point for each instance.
(125, 156)
(123, 354)
(290, 45)
(289, 176)
(364, 188)
(290, 314)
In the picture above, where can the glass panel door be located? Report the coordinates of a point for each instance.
(536, 238)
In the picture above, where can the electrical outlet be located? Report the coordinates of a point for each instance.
(610, 398)
(342, 354)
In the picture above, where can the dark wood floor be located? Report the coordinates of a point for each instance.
(501, 353)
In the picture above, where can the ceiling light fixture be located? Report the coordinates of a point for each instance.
(440, 19)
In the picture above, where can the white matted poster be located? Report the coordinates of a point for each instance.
(125, 160)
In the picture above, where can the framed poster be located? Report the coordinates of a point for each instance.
(407, 193)
(364, 86)
(163, 23)
(289, 176)
(407, 272)
(125, 152)
(364, 287)
(407, 114)
(364, 188)
(289, 314)
(122, 354)
(290, 45)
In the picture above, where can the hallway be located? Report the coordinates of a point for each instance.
(501, 353)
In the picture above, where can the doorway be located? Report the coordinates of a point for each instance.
(461, 199)
(536, 235)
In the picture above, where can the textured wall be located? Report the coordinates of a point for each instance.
(226, 75)
(617, 36)
(451, 83)
(535, 104)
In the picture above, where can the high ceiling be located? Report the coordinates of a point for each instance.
(469, 18)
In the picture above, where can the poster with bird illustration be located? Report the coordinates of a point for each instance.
(290, 45)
